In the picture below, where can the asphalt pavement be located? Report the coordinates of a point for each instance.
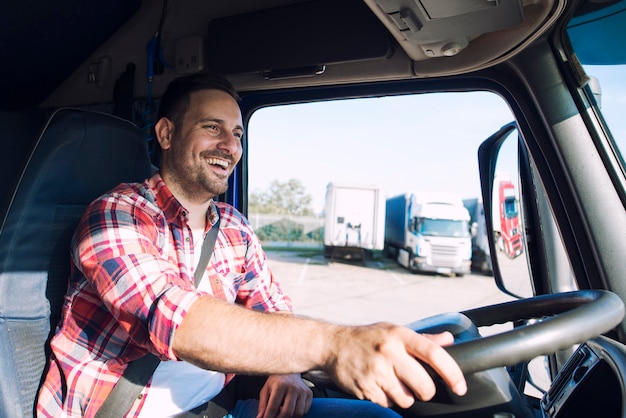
(353, 292)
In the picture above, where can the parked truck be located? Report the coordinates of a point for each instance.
(481, 255)
(429, 232)
(506, 220)
(354, 220)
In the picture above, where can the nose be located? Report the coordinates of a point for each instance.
(230, 143)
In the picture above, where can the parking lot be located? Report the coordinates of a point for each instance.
(353, 293)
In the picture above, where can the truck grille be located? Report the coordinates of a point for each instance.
(444, 255)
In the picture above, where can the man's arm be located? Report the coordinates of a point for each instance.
(375, 362)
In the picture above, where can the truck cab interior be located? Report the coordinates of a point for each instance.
(81, 81)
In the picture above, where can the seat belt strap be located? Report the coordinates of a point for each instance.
(206, 252)
(139, 372)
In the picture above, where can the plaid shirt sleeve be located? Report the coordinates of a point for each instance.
(128, 293)
(128, 256)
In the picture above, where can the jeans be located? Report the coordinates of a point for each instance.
(322, 408)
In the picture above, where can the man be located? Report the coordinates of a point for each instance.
(132, 292)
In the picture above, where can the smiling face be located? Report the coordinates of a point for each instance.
(199, 155)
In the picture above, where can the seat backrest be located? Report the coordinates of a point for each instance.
(79, 155)
(19, 134)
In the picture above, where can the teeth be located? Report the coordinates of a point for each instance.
(217, 161)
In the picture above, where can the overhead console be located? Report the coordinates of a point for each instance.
(444, 28)
(453, 36)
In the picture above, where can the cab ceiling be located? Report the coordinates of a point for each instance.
(74, 54)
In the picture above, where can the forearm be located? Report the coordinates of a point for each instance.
(221, 336)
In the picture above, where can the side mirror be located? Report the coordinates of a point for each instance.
(498, 160)
(596, 90)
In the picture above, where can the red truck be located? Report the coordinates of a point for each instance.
(506, 219)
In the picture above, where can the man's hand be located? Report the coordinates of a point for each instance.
(284, 396)
(378, 362)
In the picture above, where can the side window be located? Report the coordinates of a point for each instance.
(609, 90)
(326, 251)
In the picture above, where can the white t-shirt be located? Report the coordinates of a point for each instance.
(178, 386)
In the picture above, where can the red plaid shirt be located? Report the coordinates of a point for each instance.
(130, 288)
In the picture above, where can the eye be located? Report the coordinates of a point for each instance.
(211, 128)
(238, 134)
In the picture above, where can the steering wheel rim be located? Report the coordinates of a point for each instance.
(574, 317)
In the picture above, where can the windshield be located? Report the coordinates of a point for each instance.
(510, 208)
(443, 228)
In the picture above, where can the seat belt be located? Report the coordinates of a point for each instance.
(139, 372)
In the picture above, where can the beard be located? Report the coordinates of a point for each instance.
(193, 177)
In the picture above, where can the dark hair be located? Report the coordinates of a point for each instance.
(175, 100)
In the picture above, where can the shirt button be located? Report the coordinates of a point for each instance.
(140, 396)
(187, 239)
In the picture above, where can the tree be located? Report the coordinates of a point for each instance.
(282, 198)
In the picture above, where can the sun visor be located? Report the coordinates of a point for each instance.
(297, 37)
(596, 37)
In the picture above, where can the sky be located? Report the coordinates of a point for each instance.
(406, 144)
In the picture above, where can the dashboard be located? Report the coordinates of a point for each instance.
(590, 384)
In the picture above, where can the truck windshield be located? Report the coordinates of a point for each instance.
(443, 228)
(510, 208)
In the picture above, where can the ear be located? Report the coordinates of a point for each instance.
(164, 129)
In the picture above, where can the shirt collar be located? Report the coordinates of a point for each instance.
(172, 208)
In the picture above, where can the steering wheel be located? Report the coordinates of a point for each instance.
(569, 318)
(566, 319)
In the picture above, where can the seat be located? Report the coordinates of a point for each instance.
(78, 156)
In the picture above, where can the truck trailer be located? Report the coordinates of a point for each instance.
(354, 220)
(429, 233)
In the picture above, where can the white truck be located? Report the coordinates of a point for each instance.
(354, 220)
(429, 232)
